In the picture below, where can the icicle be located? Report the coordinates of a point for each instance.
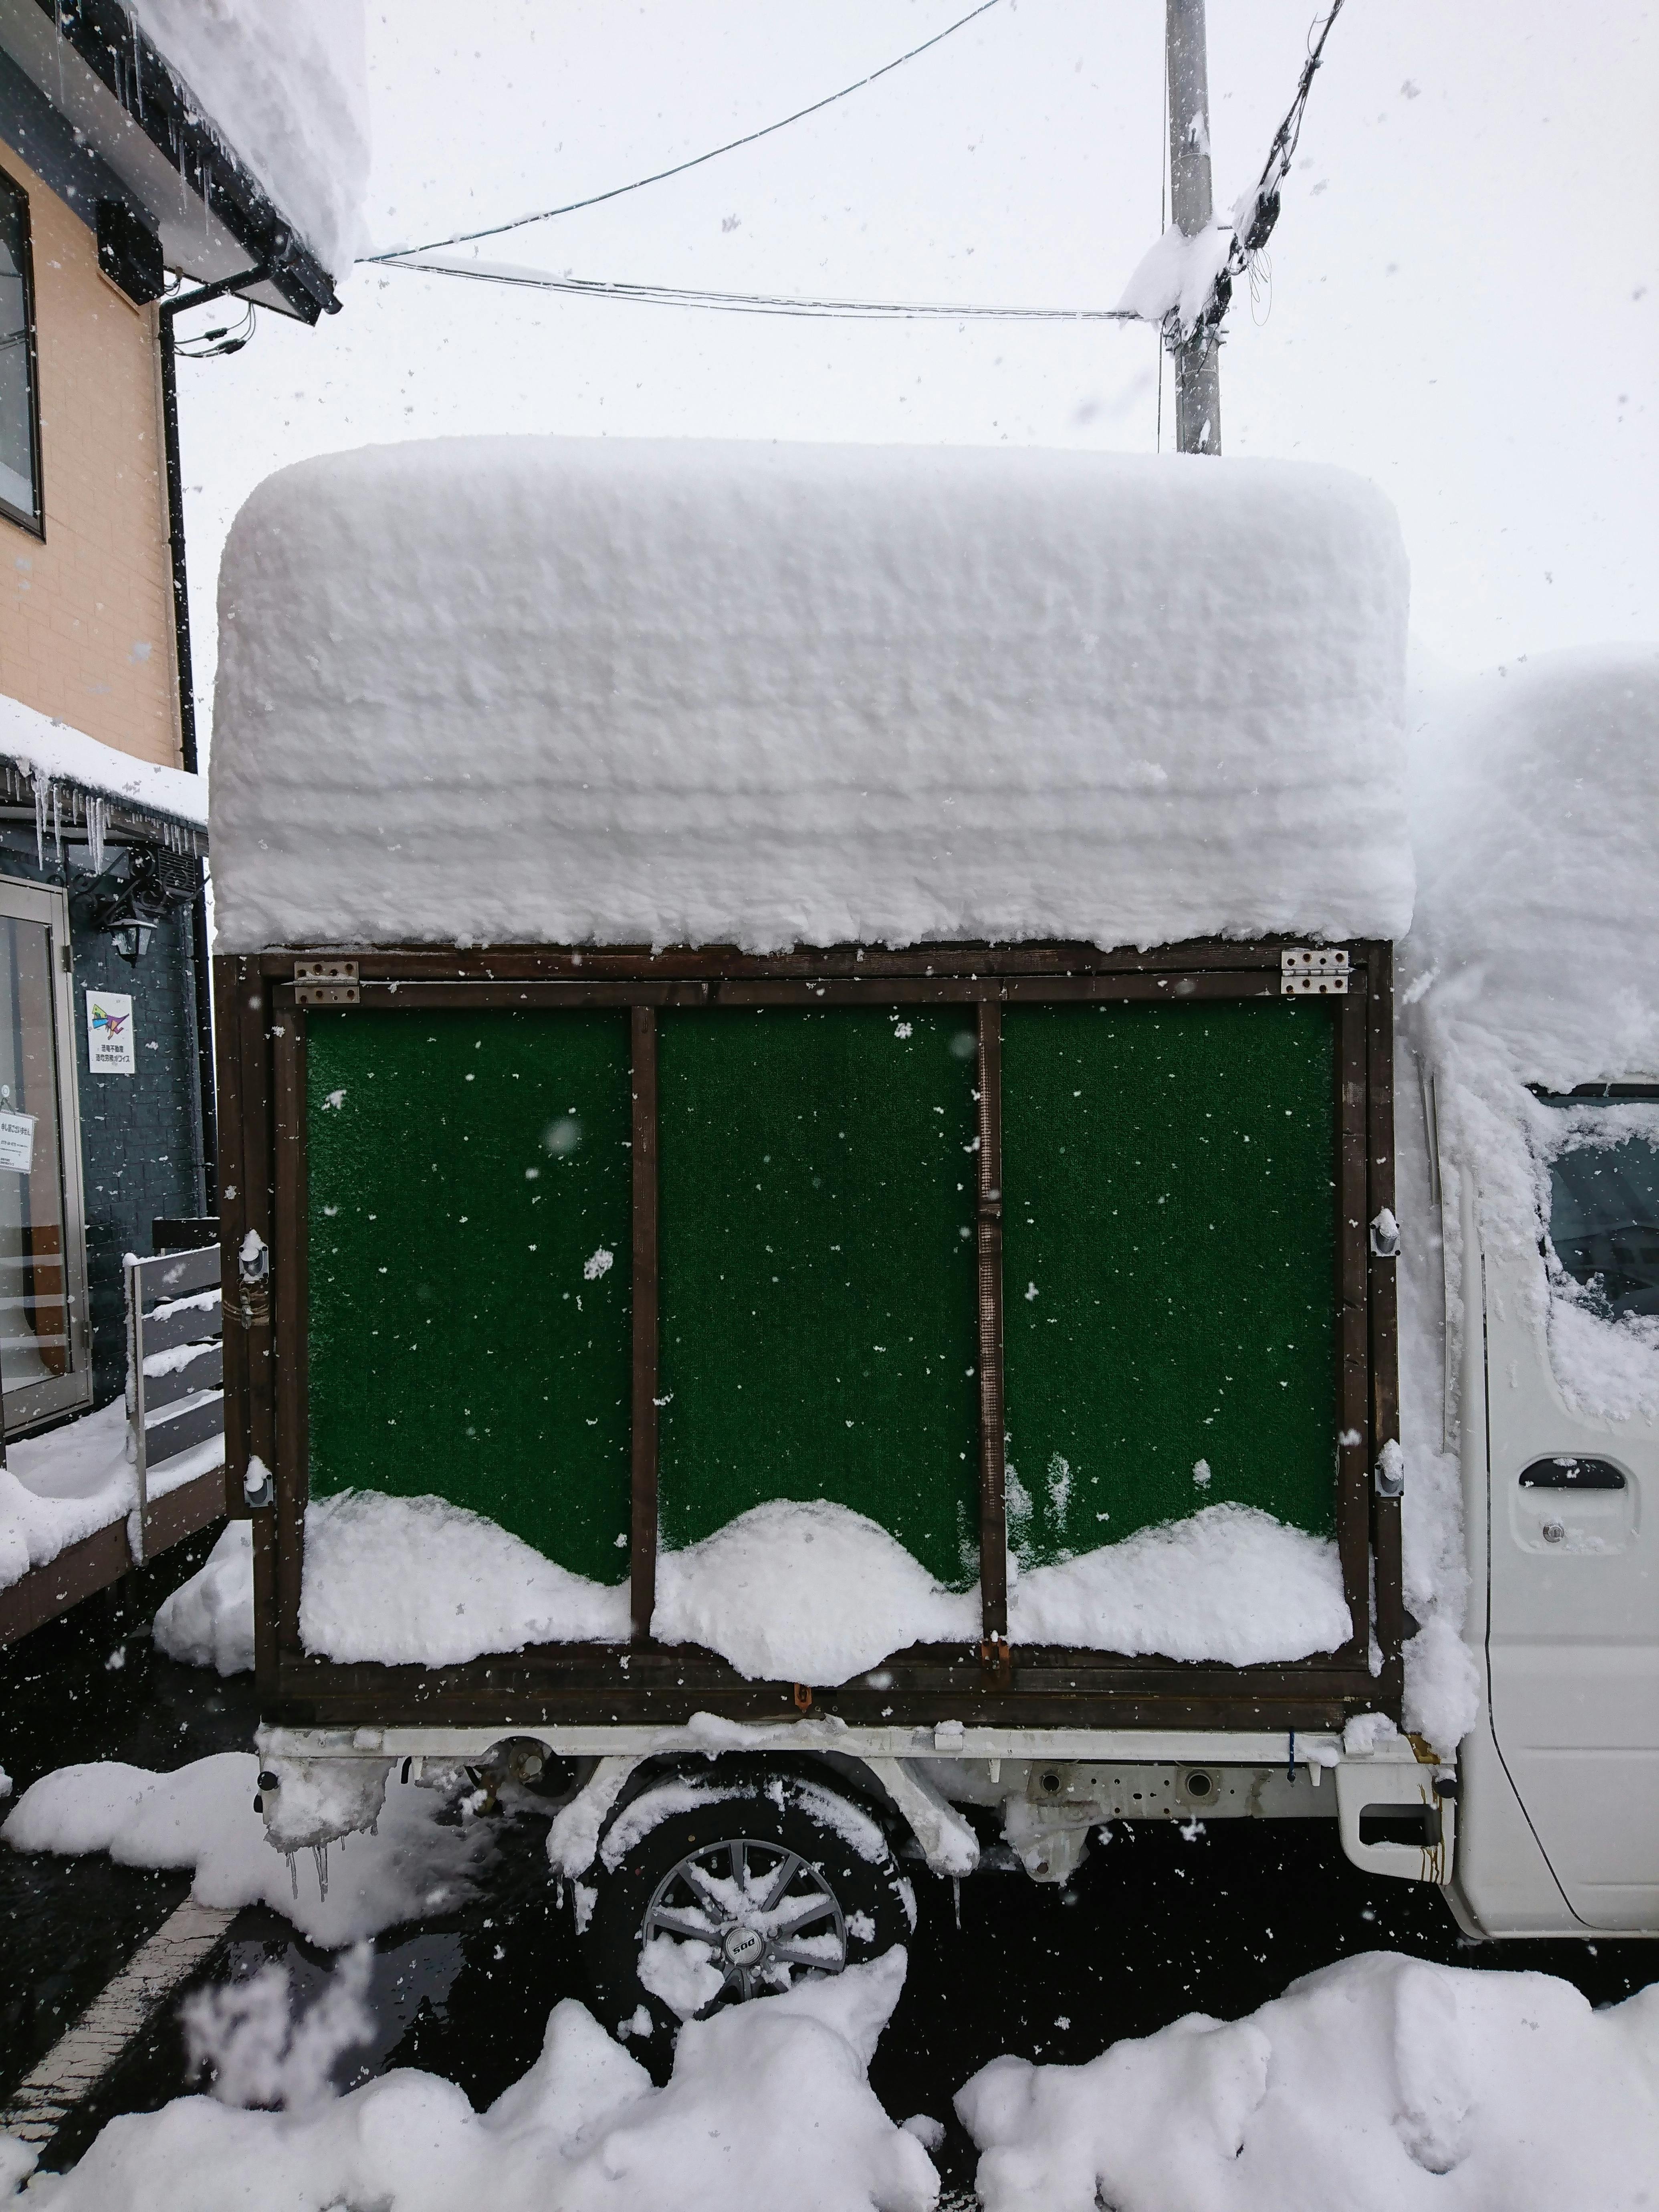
(319, 1860)
(293, 1872)
(58, 823)
(955, 1892)
(97, 816)
(43, 784)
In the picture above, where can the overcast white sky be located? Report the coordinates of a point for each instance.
(1463, 299)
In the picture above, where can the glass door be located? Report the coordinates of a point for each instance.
(43, 1363)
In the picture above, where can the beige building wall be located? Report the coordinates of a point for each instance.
(86, 617)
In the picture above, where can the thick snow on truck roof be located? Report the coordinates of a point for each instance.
(546, 690)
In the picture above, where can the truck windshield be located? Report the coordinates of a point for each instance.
(1604, 1197)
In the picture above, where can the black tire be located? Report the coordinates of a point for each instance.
(846, 1902)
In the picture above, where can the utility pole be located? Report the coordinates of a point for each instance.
(1197, 359)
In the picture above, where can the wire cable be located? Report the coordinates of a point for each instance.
(660, 176)
(214, 344)
(767, 303)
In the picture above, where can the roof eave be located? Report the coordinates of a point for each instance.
(132, 69)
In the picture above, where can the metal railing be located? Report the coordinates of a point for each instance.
(175, 1368)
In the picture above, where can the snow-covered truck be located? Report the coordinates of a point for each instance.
(806, 1055)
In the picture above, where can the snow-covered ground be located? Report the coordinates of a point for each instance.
(409, 1866)
(1381, 2084)
(767, 2111)
(56, 1488)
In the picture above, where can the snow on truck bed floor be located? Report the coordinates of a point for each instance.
(58, 1488)
(614, 691)
(793, 1593)
(1381, 2084)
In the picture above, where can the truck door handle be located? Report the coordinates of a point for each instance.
(1567, 1474)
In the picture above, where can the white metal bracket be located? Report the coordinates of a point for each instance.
(327, 984)
(1313, 971)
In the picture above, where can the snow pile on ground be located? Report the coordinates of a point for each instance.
(417, 1580)
(207, 1621)
(202, 1816)
(616, 691)
(1381, 2084)
(788, 1592)
(767, 2111)
(1228, 1583)
(58, 1488)
(287, 88)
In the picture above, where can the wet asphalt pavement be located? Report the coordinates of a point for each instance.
(1155, 1924)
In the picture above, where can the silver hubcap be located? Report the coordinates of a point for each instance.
(758, 1913)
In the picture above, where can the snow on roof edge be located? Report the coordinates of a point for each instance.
(44, 747)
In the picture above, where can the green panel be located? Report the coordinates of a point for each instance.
(818, 1276)
(466, 1172)
(1169, 1275)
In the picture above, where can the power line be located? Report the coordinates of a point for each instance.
(1253, 222)
(767, 303)
(595, 199)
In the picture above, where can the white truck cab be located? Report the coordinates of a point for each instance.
(1561, 1791)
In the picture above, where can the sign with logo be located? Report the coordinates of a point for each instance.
(109, 1033)
(17, 1142)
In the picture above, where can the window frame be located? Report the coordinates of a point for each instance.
(34, 523)
(35, 1403)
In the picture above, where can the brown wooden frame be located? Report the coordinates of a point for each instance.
(96, 1562)
(262, 1055)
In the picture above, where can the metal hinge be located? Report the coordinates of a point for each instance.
(1318, 971)
(326, 983)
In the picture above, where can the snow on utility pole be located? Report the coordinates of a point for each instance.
(1197, 359)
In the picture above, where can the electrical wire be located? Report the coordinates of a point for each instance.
(1252, 232)
(1251, 235)
(767, 303)
(214, 345)
(679, 168)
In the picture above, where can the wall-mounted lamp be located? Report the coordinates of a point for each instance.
(129, 909)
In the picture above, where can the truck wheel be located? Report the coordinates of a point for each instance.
(738, 1899)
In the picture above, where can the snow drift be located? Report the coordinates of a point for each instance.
(1381, 2084)
(768, 2110)
(570, 691)
(202, 1816)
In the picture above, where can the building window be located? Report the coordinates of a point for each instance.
(19, 421)
(44, 1362)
